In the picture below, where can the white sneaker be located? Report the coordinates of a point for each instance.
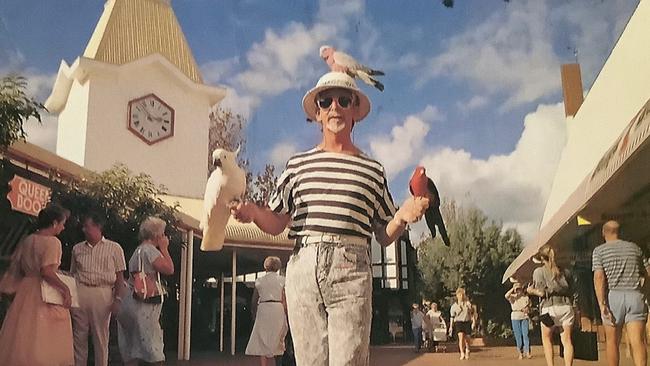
(462, 356)
(467, 353)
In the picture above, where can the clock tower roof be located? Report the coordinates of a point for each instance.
(132, 29)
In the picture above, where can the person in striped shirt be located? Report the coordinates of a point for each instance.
(620, 271)
(333, 198)
(98, 265)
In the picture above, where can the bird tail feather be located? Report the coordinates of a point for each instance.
(370, 81)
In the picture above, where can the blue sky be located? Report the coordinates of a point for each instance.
(472, 92)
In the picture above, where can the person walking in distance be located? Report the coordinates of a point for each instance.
(417, 323)
(463, 320)
(520, 304)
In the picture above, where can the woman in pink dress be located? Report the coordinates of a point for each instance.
(35, 333)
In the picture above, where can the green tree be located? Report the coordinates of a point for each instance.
(124, 198)
(480, 252)
(15, 108)
(227, 132)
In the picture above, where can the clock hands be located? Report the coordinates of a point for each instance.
(150, 116)
(143, 105)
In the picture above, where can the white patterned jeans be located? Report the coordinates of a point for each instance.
(329, 301)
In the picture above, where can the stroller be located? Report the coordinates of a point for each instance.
(439, 336)
(435, 337)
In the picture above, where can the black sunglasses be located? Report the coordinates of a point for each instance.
(343, 101)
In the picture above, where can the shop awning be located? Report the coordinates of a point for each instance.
(237, 234)
(622, 173)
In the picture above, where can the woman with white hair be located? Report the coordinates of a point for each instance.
(140, 336)
(269, 308)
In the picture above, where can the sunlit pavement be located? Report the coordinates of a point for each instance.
(405, 355)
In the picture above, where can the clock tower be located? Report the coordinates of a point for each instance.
(136, 96)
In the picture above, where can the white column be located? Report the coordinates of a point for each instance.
(221, 305)
(189, 279)
(233, 294)
(181, 305)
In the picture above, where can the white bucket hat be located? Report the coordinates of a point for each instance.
(333, 80)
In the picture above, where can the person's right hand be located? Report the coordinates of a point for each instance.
(606, 313)
(163, 242)
(243, 212)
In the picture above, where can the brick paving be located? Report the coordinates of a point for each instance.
(404, 355)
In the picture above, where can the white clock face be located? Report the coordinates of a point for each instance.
(151, 119)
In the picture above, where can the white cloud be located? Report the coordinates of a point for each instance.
(286, 59)
(281, 61)
(43, 134)
(281, 152)
(510, 53)
(219, 70)
(475, 102)
(432, 114)
(405, 141)
(39, 85)
(597, 26)
(512, 188)
(241, 104)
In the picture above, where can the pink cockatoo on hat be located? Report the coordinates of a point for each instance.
(342, 62)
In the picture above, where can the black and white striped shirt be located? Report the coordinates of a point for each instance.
(334, 193)
(623, 263)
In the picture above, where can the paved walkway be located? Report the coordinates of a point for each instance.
(404, 355)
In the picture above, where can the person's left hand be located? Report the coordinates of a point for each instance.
(115, 306)
(412, 209)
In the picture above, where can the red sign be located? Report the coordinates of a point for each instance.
(27, 196)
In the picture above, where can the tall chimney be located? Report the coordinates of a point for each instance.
(571, 88)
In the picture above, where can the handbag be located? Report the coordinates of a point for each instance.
(535, 314)
(585, 345)
(146, 288)
(547, 320)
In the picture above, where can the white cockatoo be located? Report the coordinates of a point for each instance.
(342, 62)
(226, 184)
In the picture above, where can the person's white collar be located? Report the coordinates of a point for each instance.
(100, 240)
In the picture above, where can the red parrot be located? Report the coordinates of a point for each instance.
(422, 186)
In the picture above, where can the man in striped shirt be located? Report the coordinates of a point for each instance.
(333, 198)
(97, 264)
(620, 271)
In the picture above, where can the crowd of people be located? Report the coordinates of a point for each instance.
(333, 199)
(40, 333)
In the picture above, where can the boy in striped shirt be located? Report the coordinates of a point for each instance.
(620, 271)
(333, 198)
